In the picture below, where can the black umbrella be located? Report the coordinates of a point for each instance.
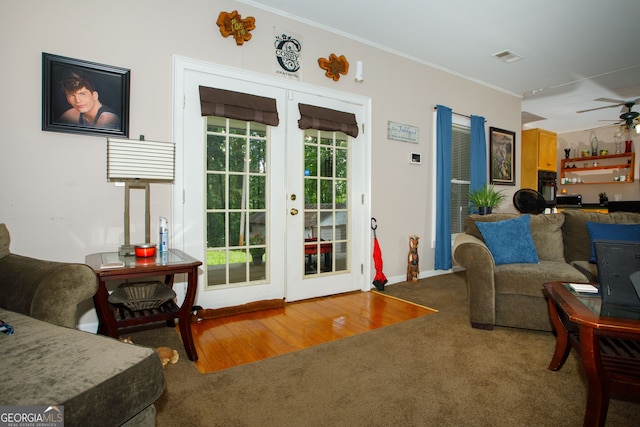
(380, 280)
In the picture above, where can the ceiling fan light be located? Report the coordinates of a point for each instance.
(637, 127)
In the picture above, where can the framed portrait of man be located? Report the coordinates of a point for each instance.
(84, 97)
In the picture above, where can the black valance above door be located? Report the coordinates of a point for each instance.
(238, 105)
(312, 117)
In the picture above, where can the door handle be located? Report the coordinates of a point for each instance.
(293, 211)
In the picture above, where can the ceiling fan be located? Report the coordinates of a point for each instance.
(628, 119)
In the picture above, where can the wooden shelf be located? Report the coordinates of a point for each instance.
(606, 165)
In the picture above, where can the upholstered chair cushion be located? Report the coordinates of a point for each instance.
(5, 240)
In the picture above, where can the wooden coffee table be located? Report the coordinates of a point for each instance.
(608, 345)
(112, 318)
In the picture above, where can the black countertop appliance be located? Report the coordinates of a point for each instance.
(569, 200)
(547, 187)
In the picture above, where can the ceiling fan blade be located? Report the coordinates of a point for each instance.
(600, 108)
(613, 101)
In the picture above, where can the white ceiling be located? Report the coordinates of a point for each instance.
(574, 51)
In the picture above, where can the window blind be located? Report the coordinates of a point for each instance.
(150, 161)
(312, 117)
(460, 176)
(238, 105)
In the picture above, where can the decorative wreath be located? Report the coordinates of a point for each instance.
(233, 24)
(334, 66)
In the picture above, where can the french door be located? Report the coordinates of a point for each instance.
(300, 203)
(324, 204)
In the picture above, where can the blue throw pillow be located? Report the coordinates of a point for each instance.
(600, 231)
(510, 240)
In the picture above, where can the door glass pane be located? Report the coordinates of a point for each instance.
(311, 159)
(341, 194)
(216, 229)
(340, 254)
(216, 152)
(258, 159)
(258, 192)
(215, 191)
(237, 127)
(216, 262)
(341, 163)
(236, 229)
(311, 192)
(237, 154)
(326, 162)
(326, 192)
(326, 225)
(236, 202)
(326, 215)
(216, 125)
(237, 189)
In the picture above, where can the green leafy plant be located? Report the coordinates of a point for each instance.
(486, 197)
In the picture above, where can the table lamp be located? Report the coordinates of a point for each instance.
(138, 163)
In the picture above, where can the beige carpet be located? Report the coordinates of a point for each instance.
(431, 371)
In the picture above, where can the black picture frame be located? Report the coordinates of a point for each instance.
(109, 83)
(502, 154)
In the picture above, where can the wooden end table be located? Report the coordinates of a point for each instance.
(607, 340)
(113, 317)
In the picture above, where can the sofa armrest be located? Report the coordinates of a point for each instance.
(45, 290)
(472, 254)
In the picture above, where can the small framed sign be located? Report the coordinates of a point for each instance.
(401, 132)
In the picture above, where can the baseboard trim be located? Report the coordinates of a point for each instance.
(421, 275)
(214, 313)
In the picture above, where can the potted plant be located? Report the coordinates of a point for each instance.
(257, 253)
(486, 198)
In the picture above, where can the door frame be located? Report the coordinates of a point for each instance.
(181, 66)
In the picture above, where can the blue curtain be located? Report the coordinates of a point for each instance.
(443, 188)
(478, 151)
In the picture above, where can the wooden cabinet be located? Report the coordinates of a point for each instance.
(538, 152)
(611, 169)
(547, 150)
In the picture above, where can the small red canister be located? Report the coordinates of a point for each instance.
(145, 250)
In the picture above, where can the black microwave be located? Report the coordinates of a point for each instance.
(569, 200)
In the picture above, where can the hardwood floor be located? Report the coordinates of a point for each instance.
(243, 338)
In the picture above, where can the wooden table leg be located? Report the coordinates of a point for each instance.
(563, 346)
(106, 321)
(184, 315)
(598, 391)
(168, 281)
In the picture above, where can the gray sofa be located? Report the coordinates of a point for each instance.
(511, 294)
(46, 361)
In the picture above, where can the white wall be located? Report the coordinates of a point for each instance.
(580, 141)
(55, 198)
